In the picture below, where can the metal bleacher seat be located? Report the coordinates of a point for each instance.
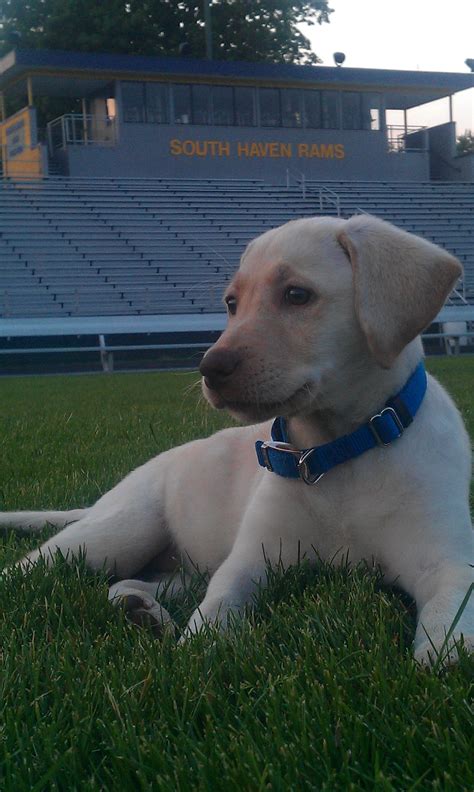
(85, 246)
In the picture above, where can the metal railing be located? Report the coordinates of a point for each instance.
(451, 341)
(325, 195)
(76, 129)
(330, 197)
(300, 179)
(106, 350)
(458, 296)
(397, 137)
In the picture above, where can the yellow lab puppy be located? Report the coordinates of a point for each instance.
(369, 458)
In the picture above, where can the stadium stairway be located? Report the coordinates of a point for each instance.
(89, 247)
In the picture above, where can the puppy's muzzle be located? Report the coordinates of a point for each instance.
(218, 366)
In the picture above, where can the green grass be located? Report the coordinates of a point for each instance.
(316, 691)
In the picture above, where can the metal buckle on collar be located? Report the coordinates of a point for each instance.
(287, 448)
(302, 456)
(393, 414)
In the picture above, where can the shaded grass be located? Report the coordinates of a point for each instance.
(329, 699)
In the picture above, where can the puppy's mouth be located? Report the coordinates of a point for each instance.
(259, 409)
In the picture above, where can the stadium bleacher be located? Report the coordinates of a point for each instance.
(155, 255)
(83, 247)
(79, 247)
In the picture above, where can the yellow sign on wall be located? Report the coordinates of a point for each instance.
(22, 155)
(255, 149)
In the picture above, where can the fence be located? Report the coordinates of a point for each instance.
(78, 129)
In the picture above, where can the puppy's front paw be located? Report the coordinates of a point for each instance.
(145, 611)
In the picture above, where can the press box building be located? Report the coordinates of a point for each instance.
(177, 117)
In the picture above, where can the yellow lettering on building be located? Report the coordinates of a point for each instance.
(327, 150)
(261, 149)
(255, 149)
(321, 150)
(199, 148)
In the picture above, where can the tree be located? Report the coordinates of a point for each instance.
(465, 143)
(252, 30)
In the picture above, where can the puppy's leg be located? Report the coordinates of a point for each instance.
(445, 600)
(265, 537)
(123, 531)
(230, 589)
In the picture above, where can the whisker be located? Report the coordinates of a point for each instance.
(191, 387)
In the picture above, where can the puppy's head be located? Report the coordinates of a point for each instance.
(315, 300)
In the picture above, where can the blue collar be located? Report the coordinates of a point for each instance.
(278, 456)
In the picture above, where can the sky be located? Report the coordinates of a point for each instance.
(423, 35)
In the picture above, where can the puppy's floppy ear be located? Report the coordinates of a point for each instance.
(400, 283)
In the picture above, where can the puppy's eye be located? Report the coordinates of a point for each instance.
(296, 295)
(231, 303)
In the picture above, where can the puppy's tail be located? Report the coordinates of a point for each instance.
(32, 521)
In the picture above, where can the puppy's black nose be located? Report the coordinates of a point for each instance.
(217, 366)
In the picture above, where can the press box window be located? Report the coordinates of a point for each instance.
(157, 102)
(270, 115)
(244, 103)
(312, 109)
(291, 107)
(201, 104)
(182, 104)
(330, 107)
(133, 102)
(351, 110)
(222, 105)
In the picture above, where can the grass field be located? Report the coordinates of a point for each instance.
(328, 700)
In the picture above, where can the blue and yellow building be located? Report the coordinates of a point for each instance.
(179, 117)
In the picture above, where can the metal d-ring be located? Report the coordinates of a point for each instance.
(304, 471)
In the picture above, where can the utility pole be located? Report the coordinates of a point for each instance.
(208, 28)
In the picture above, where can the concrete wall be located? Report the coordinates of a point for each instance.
(465, 165)
(261, 153)
(442, 146)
